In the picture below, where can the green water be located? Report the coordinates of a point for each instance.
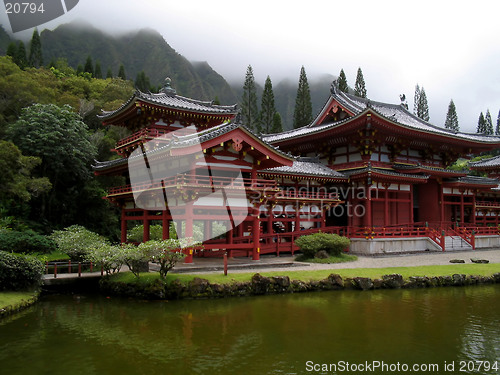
(286, 334)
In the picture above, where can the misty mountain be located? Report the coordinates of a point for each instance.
(139, 50)
(147, 50)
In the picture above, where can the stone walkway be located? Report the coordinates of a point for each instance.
(273, 263)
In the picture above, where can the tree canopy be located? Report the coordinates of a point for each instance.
(303, 106)
(342, 82)
(267, 108)
(359, 86)
(249, 110)
(451, 121)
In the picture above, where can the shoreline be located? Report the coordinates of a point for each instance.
(23, 304)
(200, 288)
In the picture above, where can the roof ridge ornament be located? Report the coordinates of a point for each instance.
(167, 88)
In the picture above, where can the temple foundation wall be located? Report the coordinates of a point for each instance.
(391, 245)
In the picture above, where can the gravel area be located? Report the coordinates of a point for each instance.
(400, 260)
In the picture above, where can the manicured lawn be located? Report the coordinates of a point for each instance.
(13, 298)
(53, 256)
(373, 273)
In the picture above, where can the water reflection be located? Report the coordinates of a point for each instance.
(261, 335)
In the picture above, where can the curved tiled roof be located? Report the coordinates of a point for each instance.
(395, 113)
(493, 162)
(386, 172)
(192, 139)
(306, 167)
(169, 99)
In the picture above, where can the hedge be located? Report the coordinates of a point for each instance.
(25, 242)
(19, 272)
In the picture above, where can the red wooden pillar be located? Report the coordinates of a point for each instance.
(165, 224)
(270, 229)
(230, 241)
(412, 219)
(386, 205)
(441, 204)
(123, 237)
(256, 235)
(462, 211)
(188, 232)
(474, 207)
(368, 213)
(145, 221)
(297, 217)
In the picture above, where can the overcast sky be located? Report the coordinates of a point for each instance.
(451, 48)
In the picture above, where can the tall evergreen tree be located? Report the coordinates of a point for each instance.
(359, 86)
(423, 107)
(451, 117)
(488, 123)
(97, 70)
(142, 82)
(497, 130)
(88, 68)
(36, 58)
(109, 73)
(342, 82)
(302, 114)
(121, 73)
(20, 58)
(481, 124)
(277, 123)
(267, 107)
(416, 99)
(249, 110)
(12, 50)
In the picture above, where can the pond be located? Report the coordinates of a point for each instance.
(325, 332)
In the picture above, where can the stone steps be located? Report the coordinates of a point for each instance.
(455, 243)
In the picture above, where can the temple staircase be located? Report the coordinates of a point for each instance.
(456, 243)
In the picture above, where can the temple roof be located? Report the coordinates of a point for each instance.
(385, 172)
(198, 138)
(394, 113)
(490, 163)
(303, 166)
(475, 180)
(419, 168)
(169, 99)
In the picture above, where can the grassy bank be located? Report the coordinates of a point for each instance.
(373, 273)
(15, 301)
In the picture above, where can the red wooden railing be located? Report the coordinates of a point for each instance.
(488, 204)
(68, 268)
(317, 195)
(198, 181)
(141, 135)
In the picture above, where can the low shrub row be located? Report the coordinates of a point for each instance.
(27, 242)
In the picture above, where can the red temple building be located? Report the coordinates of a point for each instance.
(371, 171)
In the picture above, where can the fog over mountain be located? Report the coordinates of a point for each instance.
(396, 44)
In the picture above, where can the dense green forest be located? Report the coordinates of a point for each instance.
(50, 137)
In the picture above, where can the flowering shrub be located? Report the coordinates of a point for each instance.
(166, 253)
(76, 241)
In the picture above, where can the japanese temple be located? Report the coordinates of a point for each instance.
(371, 171)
